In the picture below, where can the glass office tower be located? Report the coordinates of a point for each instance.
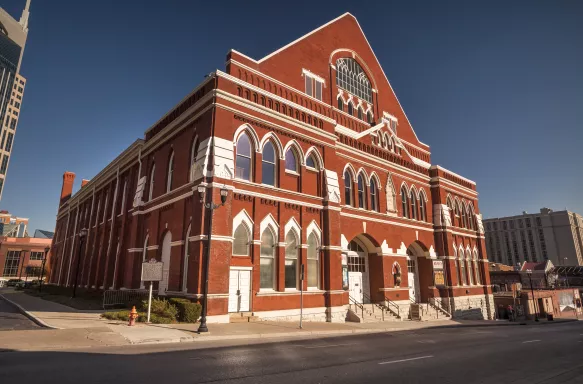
(13, 36)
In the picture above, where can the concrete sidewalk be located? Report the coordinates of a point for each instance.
(73, 328)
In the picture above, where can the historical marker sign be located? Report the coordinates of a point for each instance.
(152, 270)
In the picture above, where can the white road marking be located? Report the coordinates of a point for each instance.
(327, 345)
(411, 359)
(530, 341)
(426, 341)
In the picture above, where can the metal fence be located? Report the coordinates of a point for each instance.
(122, 298)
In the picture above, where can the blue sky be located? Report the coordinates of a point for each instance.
(495, 87)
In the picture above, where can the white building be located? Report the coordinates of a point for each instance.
(548, 235)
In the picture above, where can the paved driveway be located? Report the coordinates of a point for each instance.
(11, 319)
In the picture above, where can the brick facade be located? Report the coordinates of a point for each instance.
(145, 204)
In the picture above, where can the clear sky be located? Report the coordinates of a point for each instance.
(494, 87)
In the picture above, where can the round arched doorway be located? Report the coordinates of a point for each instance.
(414, 252)
(358, 276)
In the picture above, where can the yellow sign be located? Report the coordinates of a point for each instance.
(438, 278)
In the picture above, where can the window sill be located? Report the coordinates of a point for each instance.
(315, 170)
(292, 173)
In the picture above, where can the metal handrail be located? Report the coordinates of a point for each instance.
(392, 303)
(381, 307)
(357, 304)
(437, 305)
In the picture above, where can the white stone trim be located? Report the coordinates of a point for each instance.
(278, 98)
(276, 115)
(280, 199)
(384, 164)
(314, 76)
(292, 224)
(269, 221)
(178, 242)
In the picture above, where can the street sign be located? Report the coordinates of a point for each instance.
(152, 270)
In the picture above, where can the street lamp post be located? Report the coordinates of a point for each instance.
(529, 273)
(211, 207)
(82, 236)
(42, 269)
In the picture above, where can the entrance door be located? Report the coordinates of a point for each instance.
(412, 277)
(239, 290)
(355, 286)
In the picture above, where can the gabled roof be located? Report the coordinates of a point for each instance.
(265, 61)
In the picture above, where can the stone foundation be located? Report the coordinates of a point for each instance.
(477, 307)
(319, 314)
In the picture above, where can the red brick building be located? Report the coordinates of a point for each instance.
(322, 168)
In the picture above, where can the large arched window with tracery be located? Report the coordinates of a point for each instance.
(351, 77)
(374, 196)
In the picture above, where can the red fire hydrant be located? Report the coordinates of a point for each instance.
(133, 316)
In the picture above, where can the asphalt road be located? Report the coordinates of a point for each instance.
(11, 319)
(512, 354)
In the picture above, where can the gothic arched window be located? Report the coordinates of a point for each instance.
(351, 77)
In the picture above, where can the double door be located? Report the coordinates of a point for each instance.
(239, 290)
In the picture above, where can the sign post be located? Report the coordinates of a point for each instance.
(151, 271)
(301, 293)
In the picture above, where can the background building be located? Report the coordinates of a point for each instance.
(13, 36)
(20, 256)
(548, 235)
(12, 226)
(321, 168)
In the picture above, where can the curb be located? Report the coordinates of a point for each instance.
(23, 311)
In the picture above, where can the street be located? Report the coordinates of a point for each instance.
(11, 319)
(505, 354)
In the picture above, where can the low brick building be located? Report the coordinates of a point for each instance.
(322, 169)
(19, 253)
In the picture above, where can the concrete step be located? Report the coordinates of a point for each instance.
(242, 317)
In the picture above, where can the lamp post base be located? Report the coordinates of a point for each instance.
(203, 328)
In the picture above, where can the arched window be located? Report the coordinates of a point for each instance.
(462, 263)
(184, 284)
(347, 188)
(144, 256)
(457, 213)
(350, 108)
(413, 204)
(369, 117)
(477, 269)
(374, 196)
(390, 144)
(451, 210)
(268, 169)
(241, 241)
(170, 173)
(361, 194)
(267, 260)
(351, 77)
(340, 104)
(151, 191)
(471, 217)
(311, 162)
(470, 266)
(359, 113)
(313, 262)
(193, 153)
(404, 201)
(422, 208)
(243, 161)
(464, 217)
(291, 260)
(291, 162)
